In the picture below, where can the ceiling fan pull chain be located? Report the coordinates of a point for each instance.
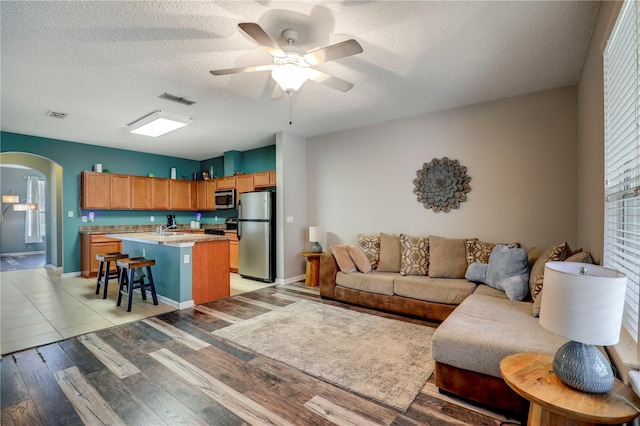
(290, 96)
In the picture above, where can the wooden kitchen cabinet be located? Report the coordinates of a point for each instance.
(201, 195)
(233, 250)
(141, 193)
(228, 182)
(244, 183)
(179, 194)
(211, 194)
(159, 194)
(264, 179)
(95, 190)
(92, 244)
(120, 192)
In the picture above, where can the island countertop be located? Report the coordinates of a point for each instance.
(179, 239)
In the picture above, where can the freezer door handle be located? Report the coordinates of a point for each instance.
(239, 231)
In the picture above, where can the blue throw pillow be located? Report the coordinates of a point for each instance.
(477, 273)
(508, 270)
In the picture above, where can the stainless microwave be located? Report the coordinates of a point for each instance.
(225, 199)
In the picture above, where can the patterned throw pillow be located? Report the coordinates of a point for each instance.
(580, 257)
(553, 253)
(478, 251)
(370, 245)
(414, 255)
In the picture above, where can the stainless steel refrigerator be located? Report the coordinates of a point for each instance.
(256, 235)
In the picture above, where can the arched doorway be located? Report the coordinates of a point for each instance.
(53, 176)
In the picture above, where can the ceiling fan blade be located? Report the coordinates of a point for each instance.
(242, 69)
(329, 80)
(333, 52)
(256, 32)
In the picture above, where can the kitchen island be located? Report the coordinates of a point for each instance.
(190, 268)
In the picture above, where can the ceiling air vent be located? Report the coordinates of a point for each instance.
(175, 98)
(58, 115)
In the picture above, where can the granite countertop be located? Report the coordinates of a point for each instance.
(169, 238)
(122, 229)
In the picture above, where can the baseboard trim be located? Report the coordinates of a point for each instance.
(70, 274)
(290, 280)
(22, 253)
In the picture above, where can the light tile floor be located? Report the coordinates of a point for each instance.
(38, 307)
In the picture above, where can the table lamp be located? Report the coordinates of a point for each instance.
(583, 303)
(315, 235)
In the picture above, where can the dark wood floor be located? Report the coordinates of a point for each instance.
(171, 370)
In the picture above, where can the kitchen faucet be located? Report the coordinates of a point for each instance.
(160, 230)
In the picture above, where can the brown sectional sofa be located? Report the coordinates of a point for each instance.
(479, 324)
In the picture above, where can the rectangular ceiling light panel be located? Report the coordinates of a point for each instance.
(158, 123)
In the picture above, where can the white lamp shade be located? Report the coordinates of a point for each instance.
(10, 199)
(586, 308)
(315, 233)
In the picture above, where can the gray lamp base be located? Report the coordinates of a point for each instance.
(583, 367)
(316, 247)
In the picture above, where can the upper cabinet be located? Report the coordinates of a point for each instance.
(95, 190)
(107, 191)
(244, 183)
(120, 192)
(141, 193)
(264, 179)
(228, 182)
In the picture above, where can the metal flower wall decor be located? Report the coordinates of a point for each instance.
(442, 184)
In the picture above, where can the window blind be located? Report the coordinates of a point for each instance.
(622, 157)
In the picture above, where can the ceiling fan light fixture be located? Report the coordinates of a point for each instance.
(158, 123)
(290, 77)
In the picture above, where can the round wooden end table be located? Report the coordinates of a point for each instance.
(313, 268)
(553, 403)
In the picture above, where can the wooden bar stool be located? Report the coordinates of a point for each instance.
(128, 281)
(104, 270)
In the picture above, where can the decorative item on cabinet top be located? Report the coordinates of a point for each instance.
(100, 191)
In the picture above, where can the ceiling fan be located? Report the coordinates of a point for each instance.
(292, 66)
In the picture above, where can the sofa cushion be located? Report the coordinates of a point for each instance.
(437, 290)
(341, 253)
(375, 282)
(414, 255)
(370, 245)
(554, 253)
(389, 253)
(447, 257)
(477, 251)
(490, 291)
(360, 259)
(485, 329)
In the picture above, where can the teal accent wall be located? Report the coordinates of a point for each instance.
(77, 157)
(259, 159)
(232, 162)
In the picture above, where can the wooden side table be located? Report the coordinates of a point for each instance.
(554, 403)
(313, 268)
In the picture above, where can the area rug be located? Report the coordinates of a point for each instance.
(383, 359)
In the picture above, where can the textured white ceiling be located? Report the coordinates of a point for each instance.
(106, 63)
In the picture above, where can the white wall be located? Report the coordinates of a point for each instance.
(520, 153)
(591, 136)
(290, 201)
